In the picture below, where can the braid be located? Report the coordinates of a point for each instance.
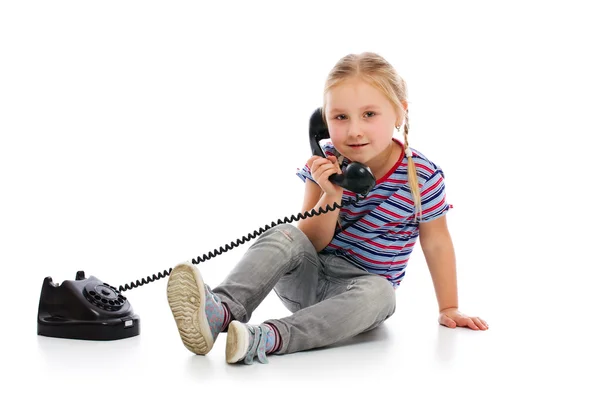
(412, 173)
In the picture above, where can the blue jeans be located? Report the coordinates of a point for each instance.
(331, 299)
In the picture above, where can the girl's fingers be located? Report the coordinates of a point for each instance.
(483, 323)
(318, 163)
(314, 165)
(311, 162)
(444, 320)
(474, 323)
(468, 322)
(334, 161)
(324, 169)
(315, 169)
(471, 324)
(479, 323)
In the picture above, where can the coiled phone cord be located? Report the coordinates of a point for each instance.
(214, 253)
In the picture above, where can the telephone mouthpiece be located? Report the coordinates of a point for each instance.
(357, 178)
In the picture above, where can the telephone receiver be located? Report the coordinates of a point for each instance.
(89, 309)
(357, 177)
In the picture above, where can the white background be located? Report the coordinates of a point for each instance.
(135, 135)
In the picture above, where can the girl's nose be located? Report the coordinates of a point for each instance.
(354, 128)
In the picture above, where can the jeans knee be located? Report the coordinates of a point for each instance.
(289, 237)
(295, 236)
(288, 230)
(382, 294)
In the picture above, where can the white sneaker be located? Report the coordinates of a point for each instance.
(244, 342)
(198, 312)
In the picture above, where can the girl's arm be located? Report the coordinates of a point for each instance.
(439, 253)
(319, 229)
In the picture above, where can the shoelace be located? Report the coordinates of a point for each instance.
(258, 348)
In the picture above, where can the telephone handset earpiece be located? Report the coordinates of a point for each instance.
(357, 178)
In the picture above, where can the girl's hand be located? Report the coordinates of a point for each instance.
(452, 318)
(321, 169)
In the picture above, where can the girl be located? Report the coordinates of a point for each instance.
(336, 272)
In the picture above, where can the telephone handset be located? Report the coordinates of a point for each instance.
(357, 177)
(90, 309)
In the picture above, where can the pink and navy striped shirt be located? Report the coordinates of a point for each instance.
(379, 232)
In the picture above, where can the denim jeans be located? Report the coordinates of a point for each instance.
(330, 298)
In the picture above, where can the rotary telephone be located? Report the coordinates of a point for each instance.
(90, 309)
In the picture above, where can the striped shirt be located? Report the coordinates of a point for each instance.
(379, 232)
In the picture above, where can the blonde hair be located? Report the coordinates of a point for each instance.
(375, 70)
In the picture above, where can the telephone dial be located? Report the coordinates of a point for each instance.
(90, 309)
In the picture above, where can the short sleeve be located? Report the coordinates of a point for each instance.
(433, 197)
(304, 173)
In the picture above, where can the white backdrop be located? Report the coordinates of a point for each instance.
(135, 135)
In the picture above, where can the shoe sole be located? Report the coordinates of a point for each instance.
(187, 299)
(237, 342)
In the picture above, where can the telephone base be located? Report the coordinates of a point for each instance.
(85, 308)
(115, 329)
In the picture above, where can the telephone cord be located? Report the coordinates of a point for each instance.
(221, 250)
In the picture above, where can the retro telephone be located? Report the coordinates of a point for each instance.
(90, 309)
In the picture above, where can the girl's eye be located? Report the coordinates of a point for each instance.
(343, 116)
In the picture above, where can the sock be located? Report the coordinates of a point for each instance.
(226, 317)
(273, 339)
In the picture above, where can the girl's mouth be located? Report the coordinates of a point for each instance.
(358, 145)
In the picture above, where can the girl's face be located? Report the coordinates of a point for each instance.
(361, 121)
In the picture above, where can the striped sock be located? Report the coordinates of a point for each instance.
(273, 339)
(226, 317)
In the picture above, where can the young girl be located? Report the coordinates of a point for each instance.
(336, 272)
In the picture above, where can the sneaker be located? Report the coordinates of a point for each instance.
(198, 312)
(244, 342)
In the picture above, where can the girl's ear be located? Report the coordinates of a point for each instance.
(401, 113)
(398, 122)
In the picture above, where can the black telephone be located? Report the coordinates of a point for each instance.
(90, 309)
(85, 309)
